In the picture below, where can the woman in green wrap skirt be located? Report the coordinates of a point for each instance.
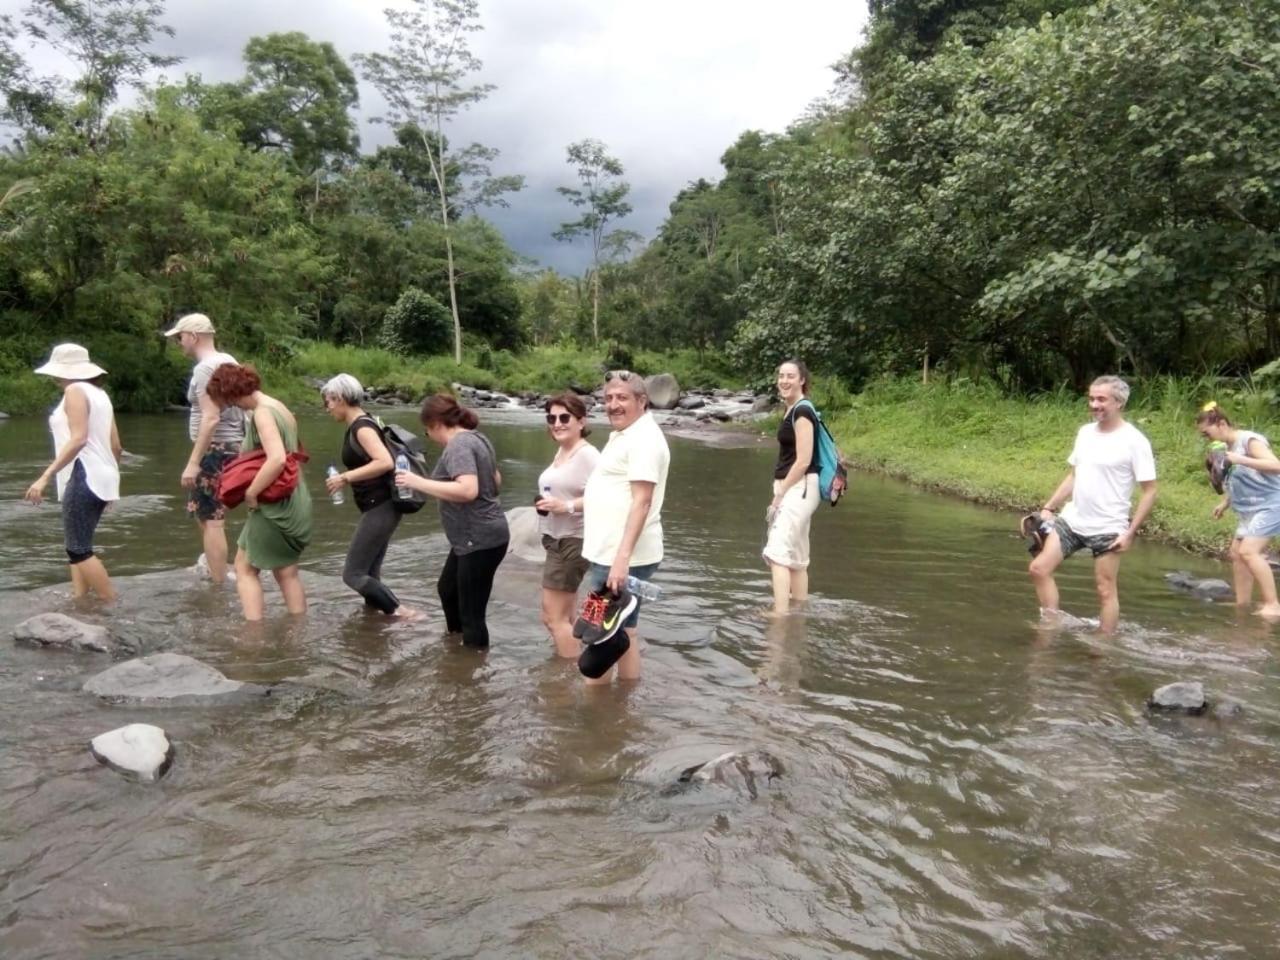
(275, 534)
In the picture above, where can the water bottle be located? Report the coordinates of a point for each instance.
(336, 496)
(643, 589)
(402, 463)
(543, 494)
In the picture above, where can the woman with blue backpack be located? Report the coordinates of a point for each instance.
(796, 493)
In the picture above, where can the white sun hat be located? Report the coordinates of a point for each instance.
(70, 361)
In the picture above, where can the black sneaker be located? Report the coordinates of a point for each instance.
(1035, 530)
(603, 615)
(1215, 461)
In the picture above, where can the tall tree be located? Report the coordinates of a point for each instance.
(424, 80)
(111, 40)
(602, 197)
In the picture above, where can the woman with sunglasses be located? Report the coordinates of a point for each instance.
(559, 502)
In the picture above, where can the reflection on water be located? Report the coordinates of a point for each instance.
(959, 781)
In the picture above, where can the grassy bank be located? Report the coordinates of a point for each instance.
(289, 374)
(970, 440)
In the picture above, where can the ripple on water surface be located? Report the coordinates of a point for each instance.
(957, 780)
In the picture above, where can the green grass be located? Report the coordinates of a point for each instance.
(969, 440)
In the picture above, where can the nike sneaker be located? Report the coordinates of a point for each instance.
(603, 614)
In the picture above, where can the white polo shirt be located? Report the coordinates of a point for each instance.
(639, 452)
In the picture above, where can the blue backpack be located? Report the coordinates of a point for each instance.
(833, 475)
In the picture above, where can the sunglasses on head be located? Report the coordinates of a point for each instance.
(563, 418)
(623, 375)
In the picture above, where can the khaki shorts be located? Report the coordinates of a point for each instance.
(788, 544)
(565, 566)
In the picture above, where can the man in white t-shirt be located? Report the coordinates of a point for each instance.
(1110, 456)
(622, 511)
(216, 435)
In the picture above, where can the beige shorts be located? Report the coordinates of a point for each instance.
(565, 566)
(788, 544)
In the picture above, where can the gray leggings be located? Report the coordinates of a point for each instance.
(363, 568)
(81, 511)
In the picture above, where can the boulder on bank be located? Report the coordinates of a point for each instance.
(762, 404)
(526, 541)
(1202, 588)
(59, 630)
(664, 391)
(169, 677)
(1186, 696)
(692, 402)
(140, 751)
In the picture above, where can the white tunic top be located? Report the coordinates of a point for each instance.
(100, 467)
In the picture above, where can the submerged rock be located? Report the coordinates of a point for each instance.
(1227, 709)
(139, 751)
(526, 541)
(169, 677)
(1184, 697)
(749, 771)
(692, 402)
(59, 630)
(1202, 588)
(664, 391)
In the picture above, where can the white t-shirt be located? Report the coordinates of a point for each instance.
(1107, 467)
(230, 428)
(637, 453)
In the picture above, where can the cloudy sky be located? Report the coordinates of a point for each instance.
(666, 84)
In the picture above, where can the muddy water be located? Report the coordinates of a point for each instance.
(958, 782)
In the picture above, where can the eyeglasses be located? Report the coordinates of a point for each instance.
(623, 375)
(563, 418)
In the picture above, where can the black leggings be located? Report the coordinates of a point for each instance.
(363, 569)
(464, 587)
(81, 511)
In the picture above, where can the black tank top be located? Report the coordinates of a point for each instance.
(366, 493)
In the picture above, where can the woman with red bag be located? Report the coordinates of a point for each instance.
(276, 532)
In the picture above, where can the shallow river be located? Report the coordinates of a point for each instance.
(958, 782)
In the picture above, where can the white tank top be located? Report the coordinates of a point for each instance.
(100, 467)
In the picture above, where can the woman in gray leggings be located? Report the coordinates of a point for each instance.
(369, 472)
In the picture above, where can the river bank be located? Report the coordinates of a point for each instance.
(970, 441)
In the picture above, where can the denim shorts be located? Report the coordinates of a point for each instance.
(1071, 541)
(1259, 523)
(598, 573)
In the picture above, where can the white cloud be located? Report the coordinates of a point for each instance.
(667, 84)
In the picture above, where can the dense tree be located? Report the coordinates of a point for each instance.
(111, 41)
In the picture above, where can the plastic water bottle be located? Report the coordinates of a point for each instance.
(543, 494)
(336, 496)
(643, 589)
(402, 463)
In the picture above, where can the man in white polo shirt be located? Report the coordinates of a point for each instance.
(621, 512)
(1110, 456)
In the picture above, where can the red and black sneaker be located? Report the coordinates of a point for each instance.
(603, 614)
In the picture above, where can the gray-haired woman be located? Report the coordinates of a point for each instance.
(369, 473)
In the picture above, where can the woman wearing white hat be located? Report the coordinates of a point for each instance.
(86, 462)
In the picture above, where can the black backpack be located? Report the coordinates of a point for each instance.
(404, 442)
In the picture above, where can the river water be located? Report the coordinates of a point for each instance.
(958, 782)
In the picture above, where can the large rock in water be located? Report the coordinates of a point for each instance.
(168, 677)
(526, 541)
(139, 751)
(664, 391)
(1183, 697)
(1202, 588)
(749, 771)
(59, 630)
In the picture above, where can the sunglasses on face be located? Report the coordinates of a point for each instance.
(623, 375)
(562, 418)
